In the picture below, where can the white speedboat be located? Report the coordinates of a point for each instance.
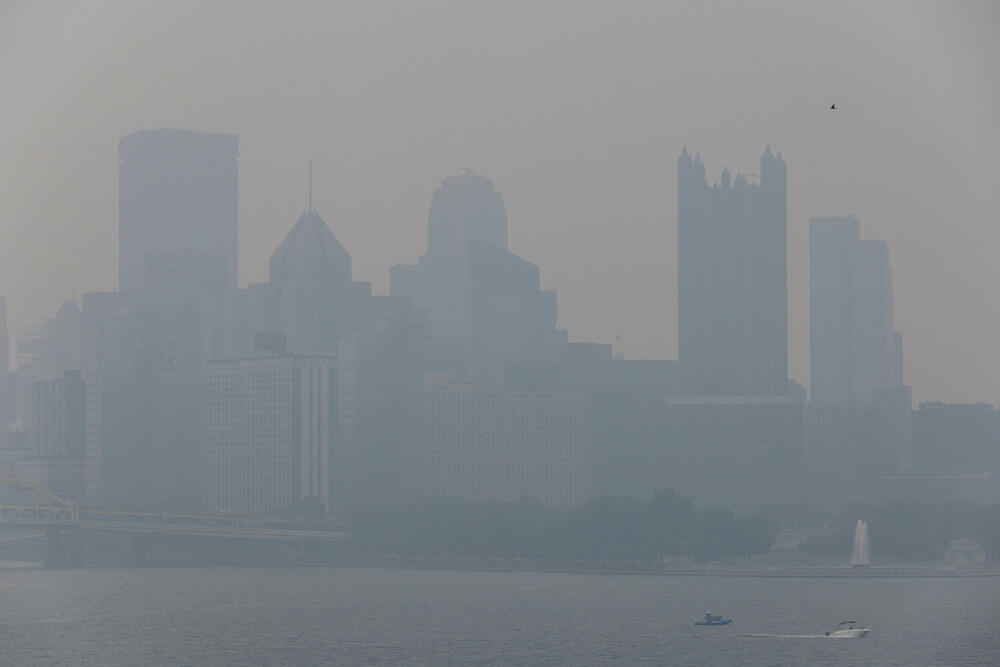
(852, 631)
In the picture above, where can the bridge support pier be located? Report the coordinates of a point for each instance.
(140, 549)
(63, 548)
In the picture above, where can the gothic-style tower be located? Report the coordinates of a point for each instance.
(732, 279)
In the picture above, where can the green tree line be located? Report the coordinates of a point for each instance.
(610, 528)
(912, 531)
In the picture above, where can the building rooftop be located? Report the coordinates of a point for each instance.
(310, 243)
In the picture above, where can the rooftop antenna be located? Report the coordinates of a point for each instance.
(310, 186)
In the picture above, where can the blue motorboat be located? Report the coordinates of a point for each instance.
(710, 619)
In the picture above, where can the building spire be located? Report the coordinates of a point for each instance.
(310, 186)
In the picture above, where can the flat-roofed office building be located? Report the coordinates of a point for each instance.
(741, 452)
(852, 342)
(495, 445)
(270, 431)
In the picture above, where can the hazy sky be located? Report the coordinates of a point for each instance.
(576, 110)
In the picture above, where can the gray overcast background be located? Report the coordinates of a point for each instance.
(576, 110)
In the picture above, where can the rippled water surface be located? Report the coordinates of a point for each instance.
(323, 616)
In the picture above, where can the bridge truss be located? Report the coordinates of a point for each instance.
(33, 503)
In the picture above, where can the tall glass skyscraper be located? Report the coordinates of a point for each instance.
(851, 340)
(732, 282)
(310, 278)
(177, 193)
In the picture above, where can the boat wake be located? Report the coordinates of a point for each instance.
(773, 636)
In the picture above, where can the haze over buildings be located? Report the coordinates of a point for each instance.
(173, 370)
(576, 115)
(396, 332)
(194, 394)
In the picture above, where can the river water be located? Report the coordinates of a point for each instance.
(326, 616)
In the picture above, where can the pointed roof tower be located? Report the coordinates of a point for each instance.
(68, 309)
(310, 246)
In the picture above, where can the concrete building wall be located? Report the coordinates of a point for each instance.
(177, 192)
(743, 453)
(269, 431)
(851, 334)
(59, 413)
(495, 445)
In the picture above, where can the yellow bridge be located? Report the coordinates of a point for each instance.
(37, 507)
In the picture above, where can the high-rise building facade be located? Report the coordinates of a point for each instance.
(270, 431)
(309, 297)
(859, 424)
(190, 290)
(465, 208)
(8, 386)
(619, 394)
(742, 452)
(956, 439)
(850, 314)
(59, 417)
(473, 290)
(177, 193)
(732, 287)
(4, 339)
(495, 445)
(143, 402)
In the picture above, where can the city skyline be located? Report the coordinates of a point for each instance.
(908, 149)
(460, 331)
(435, 224)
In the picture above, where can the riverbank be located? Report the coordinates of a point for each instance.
(668, 569)
(930, 570)
(20, 564)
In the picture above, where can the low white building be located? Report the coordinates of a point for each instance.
(965, 550)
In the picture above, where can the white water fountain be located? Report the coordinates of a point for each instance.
(861, 554)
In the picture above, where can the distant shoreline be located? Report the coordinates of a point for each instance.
(817, 572)
(565, 567)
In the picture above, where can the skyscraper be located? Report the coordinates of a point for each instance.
(59, 417)
(732, 285)
(850, 314)
(143, 402)
(465, 208)
(310, 297)
(495, 445)
(270, 429)
(4, 340)
(475, 292)
(7, 383)
(310, 278)
(744, 452)
(177, 193)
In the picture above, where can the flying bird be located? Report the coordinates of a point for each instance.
(833, 106)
